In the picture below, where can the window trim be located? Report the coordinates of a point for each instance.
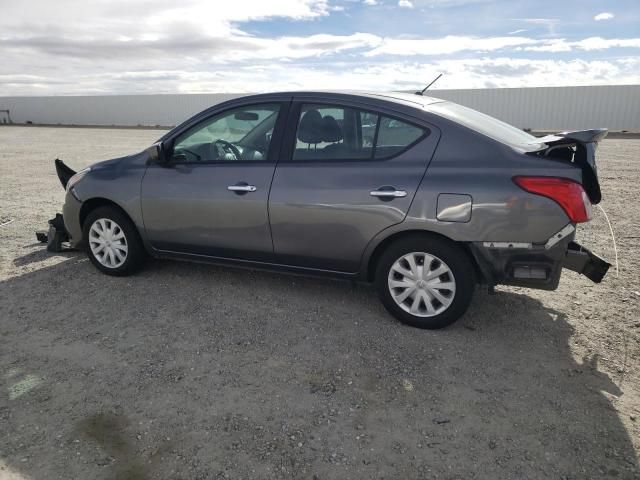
(291, 135)
(274, 146)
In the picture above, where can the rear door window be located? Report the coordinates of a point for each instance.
(330, 132)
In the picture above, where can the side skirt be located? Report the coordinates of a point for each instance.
(254, 265)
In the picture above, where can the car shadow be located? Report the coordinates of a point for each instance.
(195, 371)
(40, 255)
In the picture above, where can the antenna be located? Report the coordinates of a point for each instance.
(421, 92)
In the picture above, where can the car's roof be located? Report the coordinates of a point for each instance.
(407, 99)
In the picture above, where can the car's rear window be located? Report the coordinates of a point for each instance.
(487, 125)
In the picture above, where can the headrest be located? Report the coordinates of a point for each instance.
(331, 129)
(310, 128)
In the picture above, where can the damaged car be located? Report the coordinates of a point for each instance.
(422, 197)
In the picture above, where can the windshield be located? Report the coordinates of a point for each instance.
(486, 125)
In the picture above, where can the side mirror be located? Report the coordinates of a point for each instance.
(157, 153)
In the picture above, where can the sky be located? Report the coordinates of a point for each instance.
(95, 47)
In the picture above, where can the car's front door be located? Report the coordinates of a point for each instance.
(211, 197)
(351, 173)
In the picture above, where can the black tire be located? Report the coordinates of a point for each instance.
(135, 255)
(447, 252)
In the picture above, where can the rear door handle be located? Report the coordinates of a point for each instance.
(242, 188)
(388, 192)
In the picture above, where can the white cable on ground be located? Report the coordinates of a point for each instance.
(613, 237)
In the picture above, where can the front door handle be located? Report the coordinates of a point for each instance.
(388, 192)
(241, 188)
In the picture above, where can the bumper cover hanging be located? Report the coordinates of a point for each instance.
(583, 261)
(55, 236)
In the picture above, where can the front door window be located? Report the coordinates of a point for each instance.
(241, 134)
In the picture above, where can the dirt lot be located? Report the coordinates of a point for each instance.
(196, 372)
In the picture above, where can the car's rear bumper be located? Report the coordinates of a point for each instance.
(536, 265)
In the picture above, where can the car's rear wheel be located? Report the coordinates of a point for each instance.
(425, 281)
(112, 242)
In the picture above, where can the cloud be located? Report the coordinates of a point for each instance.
(603, 16)
(108, 19)
(163, 46)
(587, 44)
(216, 49)
(460, 73)
(370, 2)
(237, 46)
(405, 4)
(238, 11)
(446, 45)
(549, 23)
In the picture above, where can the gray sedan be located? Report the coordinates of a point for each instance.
(422, 197)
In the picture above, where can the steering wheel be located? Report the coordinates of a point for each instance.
(228, 147)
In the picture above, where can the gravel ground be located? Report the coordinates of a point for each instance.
(189, 371)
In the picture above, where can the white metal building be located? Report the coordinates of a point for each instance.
(556, 108)
(548, 108)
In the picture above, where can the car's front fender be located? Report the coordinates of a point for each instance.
(113, 182)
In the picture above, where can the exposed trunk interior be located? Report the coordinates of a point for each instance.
(578, 148)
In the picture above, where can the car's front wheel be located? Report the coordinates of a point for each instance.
(112, 242)
(424, 281)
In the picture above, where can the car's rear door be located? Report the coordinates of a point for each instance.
(348, 172)
(210, 199)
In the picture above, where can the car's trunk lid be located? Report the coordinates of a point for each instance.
(579, 148)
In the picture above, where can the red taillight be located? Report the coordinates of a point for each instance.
(568, 193)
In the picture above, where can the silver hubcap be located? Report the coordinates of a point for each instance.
(108, 243)
(422, 284)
